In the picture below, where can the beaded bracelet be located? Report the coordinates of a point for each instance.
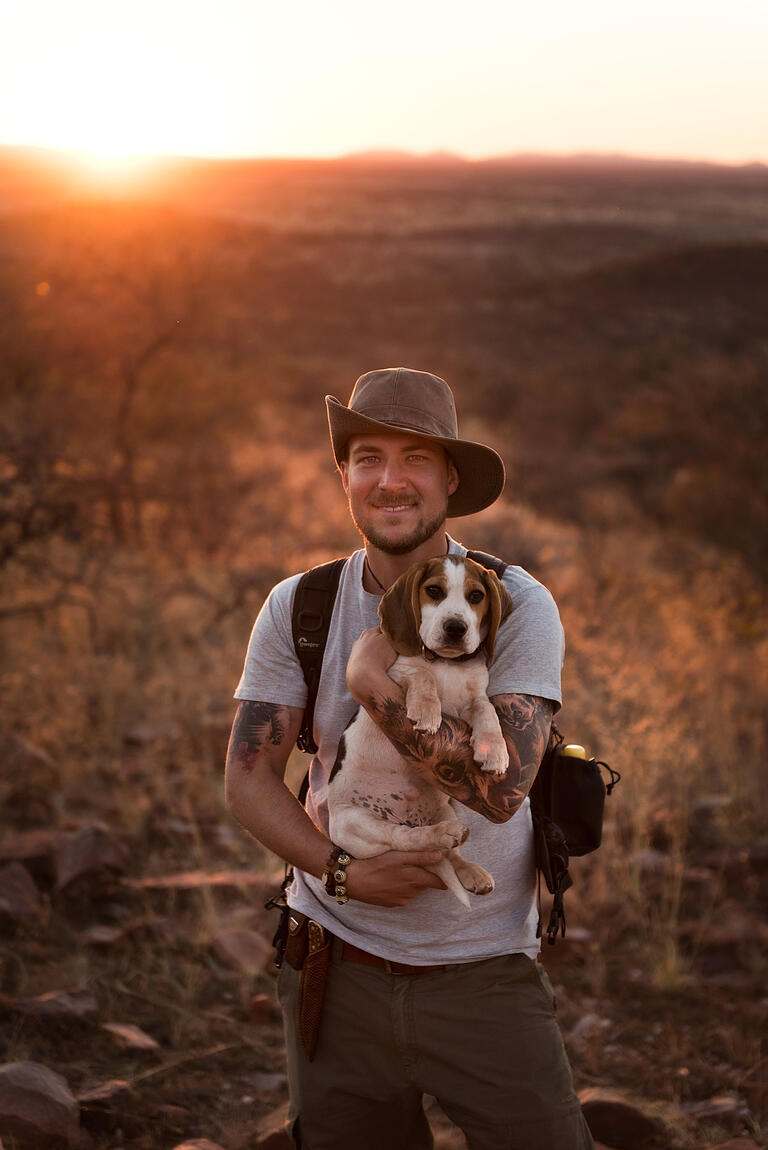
(334, 877)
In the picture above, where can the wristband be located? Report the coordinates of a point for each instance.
(334, 877)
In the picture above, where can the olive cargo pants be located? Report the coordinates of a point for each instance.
(480, 1037)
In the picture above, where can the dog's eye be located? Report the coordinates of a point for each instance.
(434, 591)
(476, 596)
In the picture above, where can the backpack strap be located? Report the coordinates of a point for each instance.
(490, 562)
(310, 622)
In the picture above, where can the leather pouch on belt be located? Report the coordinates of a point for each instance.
(297, 941)
(314, 975)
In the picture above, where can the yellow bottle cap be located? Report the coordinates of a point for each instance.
(574, 751)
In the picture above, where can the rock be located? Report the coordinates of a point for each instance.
(170, 1113)
(19, 897)
(727, 1110)
(243, 950)
(30, 782)
(37, 1108)
(93, 852)
(35, 849)
(130, 1036)
(272, 1130)
(617, 1122)
(103, 1107)
(59, 1005)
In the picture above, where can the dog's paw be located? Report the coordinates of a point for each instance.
(426, 715)
(475, 878)
(491, 755)
(449, 834)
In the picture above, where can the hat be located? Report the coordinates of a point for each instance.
(401, 399)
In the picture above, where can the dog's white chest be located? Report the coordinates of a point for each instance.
(454, 682)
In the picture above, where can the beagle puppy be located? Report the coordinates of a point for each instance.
(441, 617)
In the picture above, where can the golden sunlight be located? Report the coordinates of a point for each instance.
(111, 169)
(112, 82)
(246, 77)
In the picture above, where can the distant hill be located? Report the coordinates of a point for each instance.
(606, 324)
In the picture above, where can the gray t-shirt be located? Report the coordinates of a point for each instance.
(433, 928)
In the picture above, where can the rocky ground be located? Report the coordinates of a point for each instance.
(138, 1007)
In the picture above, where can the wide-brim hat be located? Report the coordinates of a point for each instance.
(401, 399)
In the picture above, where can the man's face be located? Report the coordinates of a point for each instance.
(398, 487)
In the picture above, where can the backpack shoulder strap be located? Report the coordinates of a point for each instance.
(310, 622)
(488, 561)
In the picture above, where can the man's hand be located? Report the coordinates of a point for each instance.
(392, 878)
(262, 737)
(369, 660)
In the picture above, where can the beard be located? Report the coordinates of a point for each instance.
(422, 531)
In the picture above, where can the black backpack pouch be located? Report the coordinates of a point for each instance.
(571, 792)
(567, 803)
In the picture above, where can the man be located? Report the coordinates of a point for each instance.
(423, 997)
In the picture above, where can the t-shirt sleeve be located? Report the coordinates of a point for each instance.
(530, 646)
(272, 672)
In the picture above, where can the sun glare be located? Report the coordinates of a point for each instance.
(111, 166)
(110, 171)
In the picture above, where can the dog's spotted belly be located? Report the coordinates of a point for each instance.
(410, 806)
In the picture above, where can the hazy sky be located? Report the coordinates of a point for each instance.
(242, 77)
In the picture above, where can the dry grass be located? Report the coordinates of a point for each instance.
(154, 492)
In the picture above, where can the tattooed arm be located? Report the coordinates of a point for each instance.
(446, 757)
(263, 735)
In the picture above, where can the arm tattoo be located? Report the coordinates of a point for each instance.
(256, 726)
(445, 758)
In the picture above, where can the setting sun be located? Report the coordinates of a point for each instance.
(108, 168)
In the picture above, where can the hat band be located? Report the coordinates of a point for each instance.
(425, 426)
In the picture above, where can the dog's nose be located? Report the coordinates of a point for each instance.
(454, 628)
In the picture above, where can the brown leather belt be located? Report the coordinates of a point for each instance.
(351, 953)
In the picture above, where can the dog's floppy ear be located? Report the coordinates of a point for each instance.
(400, 613)
(499, 607)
